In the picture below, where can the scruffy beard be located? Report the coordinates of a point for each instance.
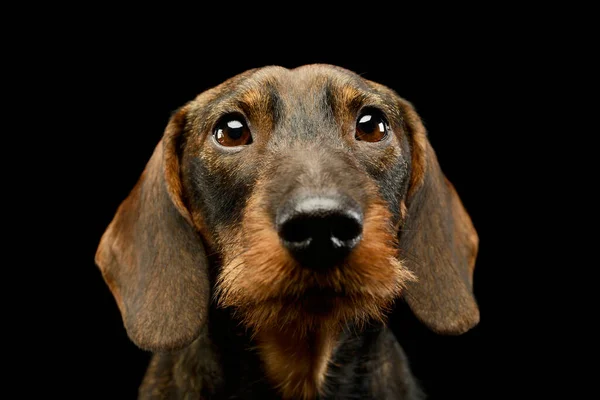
(294, 313)
(269, 290)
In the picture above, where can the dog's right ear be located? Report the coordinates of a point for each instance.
(153, 259)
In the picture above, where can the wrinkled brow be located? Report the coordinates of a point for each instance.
(259, 101)
(262, 100)
(350, 98)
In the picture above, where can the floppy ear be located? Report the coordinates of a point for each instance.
(438, 242)
(152, 258)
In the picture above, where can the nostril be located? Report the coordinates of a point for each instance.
(297, 230)
(302, 227)
(345, 227)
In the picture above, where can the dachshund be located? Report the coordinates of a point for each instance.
(277, 222)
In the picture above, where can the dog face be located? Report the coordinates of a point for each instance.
(297, 179)
(322, 198)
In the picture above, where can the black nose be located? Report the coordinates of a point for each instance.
(320, 231)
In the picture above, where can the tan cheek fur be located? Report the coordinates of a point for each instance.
(267, 288)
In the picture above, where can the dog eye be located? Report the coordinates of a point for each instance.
(232, 131)
(371, 126)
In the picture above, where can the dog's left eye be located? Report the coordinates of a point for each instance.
(371, 126)
(232, 131)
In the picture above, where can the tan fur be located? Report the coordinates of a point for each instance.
(296, 364)
(172, 168)
(153, 259)
(280, 300)
(419, 145)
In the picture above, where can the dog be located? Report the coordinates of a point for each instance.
(278, 220)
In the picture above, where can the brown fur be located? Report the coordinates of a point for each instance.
(273, 294)
(162, 307)
(296, 365)
(270, 288)
(153, 259)
(419, 146)
(438, 216)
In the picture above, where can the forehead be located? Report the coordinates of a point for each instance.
(277, 90)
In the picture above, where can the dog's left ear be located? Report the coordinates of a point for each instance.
(438, 242)
(152, 258)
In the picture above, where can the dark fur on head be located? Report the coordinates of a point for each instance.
(417, 240)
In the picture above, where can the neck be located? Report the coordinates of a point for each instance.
(316, 365)
(227, 361)
(296, 363)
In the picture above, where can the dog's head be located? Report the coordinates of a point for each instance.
(321, 197)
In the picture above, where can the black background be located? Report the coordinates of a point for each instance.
(111, 95)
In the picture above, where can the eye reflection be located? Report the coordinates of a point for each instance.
(371, 126)
(232, 131)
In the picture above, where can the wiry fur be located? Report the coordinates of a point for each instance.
(270, 289)
(295, 324)
(276, 328)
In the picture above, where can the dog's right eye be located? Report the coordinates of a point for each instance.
(232, 130)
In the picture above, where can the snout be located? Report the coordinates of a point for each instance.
(320, 231)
